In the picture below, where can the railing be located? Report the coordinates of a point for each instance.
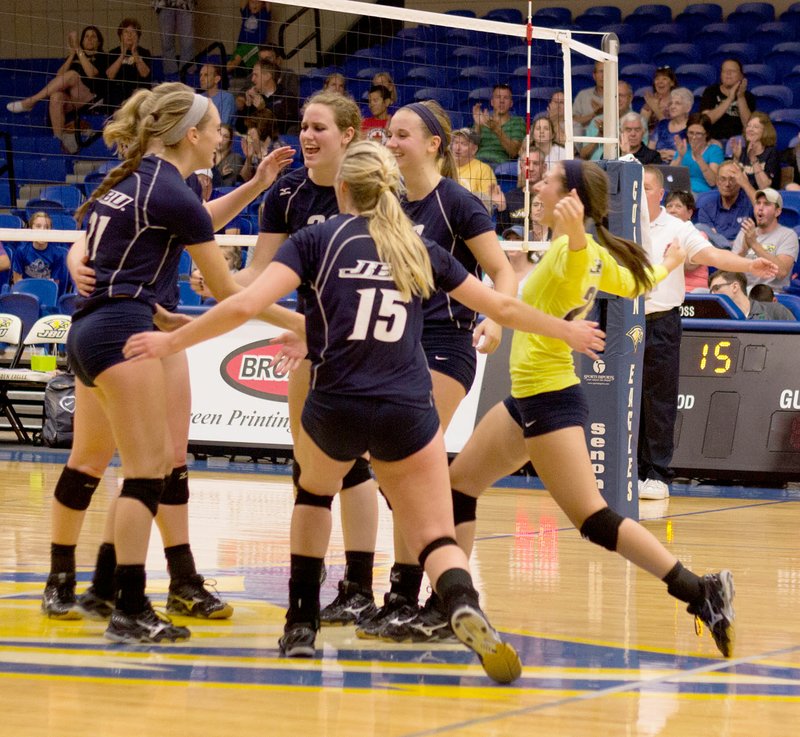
(313, 36)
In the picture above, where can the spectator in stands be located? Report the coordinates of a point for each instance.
(5, 264)
(681, 205)
(228, 162)
(80, 80)
(130, 68)
(524, 262)
(288, 80)
(762, 293)
(266, 95)
(555, 111)
(205, 183)
(723, 214)
(790, 165)
(701, 156)
(733, 284)
(758, 154)
(500, 132)
(261, 140)
(385, 79)
(588, 102)
(335, 83)
(40, 259)
(594, 151)
(378, 99)
(210, 78)
(176, 23)
(728, 103)
(667, 130)
(632, 140)
(767, 238)
(656, 103)
(252, 34)
(476, 176)
(514, 211)
(543, 137)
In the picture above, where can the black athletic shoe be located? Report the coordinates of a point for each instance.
(429, 624)
(396, 608)
(298, 641)
(146, 626)
(58, 599)
(91, 606)
(499, 659)
(351, 605)
(716, 610)
(191, 598)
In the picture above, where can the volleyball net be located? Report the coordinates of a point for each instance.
(455, 58)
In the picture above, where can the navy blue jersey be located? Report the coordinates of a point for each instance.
(294, 201)
(137, 231)
(362, 339)
(449, 216)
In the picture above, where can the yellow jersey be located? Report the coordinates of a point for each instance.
(564, 284)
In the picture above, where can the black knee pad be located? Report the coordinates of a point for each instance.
(439, 542)
(147, 491)
(358, 474)
(176, 487)
(74, 489)
(465, 507)
(295, 473)
(602, 528)
(385, 498)
(312, 500)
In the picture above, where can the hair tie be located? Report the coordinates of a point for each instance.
(431, 123)
(573, 171)
(194, 115)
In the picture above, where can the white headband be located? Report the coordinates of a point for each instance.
(196, 113)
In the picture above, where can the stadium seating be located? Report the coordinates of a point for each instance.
(773, 97)
(45, 290)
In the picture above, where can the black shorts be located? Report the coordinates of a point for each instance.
(450, 352)
(549, 411)
(345, 427)
(95, 340)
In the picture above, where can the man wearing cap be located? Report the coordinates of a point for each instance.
(476, 176)
(767, 238)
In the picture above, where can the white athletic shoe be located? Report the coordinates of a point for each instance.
(641, 484)
(15, 107)
(653, 489)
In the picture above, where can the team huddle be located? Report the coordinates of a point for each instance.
(386, 252)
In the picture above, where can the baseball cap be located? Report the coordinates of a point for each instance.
(771, 195)
(469, 134)
(517, 230)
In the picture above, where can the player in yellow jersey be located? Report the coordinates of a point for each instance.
(542, 421)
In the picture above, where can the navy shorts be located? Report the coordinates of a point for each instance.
(549, 411)
(345, 427)
(96, 339)
(450, 352)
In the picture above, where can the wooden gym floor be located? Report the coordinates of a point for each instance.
(604, 649)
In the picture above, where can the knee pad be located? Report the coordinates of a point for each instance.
(358, 474)
(602, 528)
(385, 498)
(439, 542)
(296, 473)
(74, 489)
(312, 500)
(146, 491)
(465, 507)
(176, 487)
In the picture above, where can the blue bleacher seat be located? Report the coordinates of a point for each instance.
(185, 263)
(469, 56)
(245, 225)
(787, 125)
(660, 34)
(644, 16)
(745, 52)
(24, 306)
(447, 98)
(638, 75)
(67, 303)
(505, 15)
(552, 17)
(623, 31)
(634, 53)
(594, 18)
(39, 204)
(63, 221)
(420, 55)
(791, 302)
(773, 97)
(712, 35)
(477, 76)
(677, 54)
(789, 217)
(46, 290)
(784, 57)
(758, 74)
(11, 221)
(188, 296)
(480, 94)
(768, 35)
(425, 76)
(507, 175)
(68, 195)
(694, 17)
(751, 15)
(696, 75)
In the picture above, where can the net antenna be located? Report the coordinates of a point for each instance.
(515, 34)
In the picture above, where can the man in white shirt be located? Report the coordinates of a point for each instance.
(663, 333)
(766, 238)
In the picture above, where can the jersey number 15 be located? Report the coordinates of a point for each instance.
(390, 321)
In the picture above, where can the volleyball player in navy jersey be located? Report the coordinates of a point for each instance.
(364, 274)
(331, 122)
(451, 216)
(140, 218)
(93, 448)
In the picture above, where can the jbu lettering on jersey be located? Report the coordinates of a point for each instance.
(115, 200)
(367, 270)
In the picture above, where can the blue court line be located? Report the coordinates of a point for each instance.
(621, 688)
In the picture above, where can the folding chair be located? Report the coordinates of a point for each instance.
(51, 331)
